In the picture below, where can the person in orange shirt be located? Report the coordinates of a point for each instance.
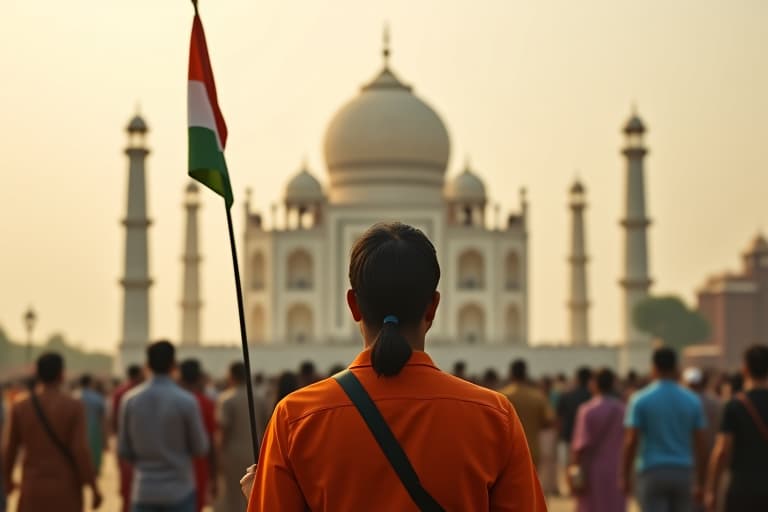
(462, 447)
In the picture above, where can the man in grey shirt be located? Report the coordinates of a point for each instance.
(160, 430)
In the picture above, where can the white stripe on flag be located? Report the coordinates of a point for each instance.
(199, 111)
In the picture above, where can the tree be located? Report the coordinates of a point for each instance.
(669, 320)
(58, 343)
(13, 357)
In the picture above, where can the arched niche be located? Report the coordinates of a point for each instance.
(471, 323)
(512, 271)
(300, 275)
(512, 324)
(471, 270)
(257, 271)
(257, 325)
(299, 327)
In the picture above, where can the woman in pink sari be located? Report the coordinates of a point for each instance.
(596, 448)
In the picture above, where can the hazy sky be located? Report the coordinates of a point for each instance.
(534, 91)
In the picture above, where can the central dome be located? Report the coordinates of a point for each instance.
(384, 138)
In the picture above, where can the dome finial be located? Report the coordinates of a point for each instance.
(467, 187)
(303, 188)
(467, 163)
(137, 123)
(577, 188)
(634, 125)
(385, 50)
(759, 243)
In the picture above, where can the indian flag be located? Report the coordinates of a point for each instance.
(207, 129)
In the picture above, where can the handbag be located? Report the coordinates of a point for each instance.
(577, 478)
(387, 442)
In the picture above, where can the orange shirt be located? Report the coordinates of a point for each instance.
(465, 443)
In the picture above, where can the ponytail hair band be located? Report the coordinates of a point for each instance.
(391, 319)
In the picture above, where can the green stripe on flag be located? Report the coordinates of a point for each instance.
(207, 164)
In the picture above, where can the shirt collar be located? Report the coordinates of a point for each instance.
(161, 379)
(418, 358)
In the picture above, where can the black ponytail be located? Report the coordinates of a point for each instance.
(390, 351)
(394, 273)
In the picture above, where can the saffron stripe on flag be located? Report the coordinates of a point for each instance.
(206, 128)
(200, 70)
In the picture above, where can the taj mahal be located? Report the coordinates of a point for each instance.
(386, 156)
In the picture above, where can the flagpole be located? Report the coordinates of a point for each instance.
(243, 338)
(227, 194)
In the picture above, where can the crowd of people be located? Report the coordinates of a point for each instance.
(392, 431)
(668, 439)
(65, 426)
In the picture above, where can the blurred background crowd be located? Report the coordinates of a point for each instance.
(553, 410)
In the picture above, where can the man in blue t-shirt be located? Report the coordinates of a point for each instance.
(666, 422)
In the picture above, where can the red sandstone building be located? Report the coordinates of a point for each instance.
(736, 306)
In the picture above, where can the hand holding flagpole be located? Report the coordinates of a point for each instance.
(207, 139)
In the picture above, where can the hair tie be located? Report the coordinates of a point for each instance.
(391, 319)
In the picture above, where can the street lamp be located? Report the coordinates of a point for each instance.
(30, 318)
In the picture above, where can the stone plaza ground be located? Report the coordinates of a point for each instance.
(109, 487)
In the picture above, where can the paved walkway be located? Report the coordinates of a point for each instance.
(109, 487)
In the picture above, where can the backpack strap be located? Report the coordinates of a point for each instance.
(387, 442)
(752, 410)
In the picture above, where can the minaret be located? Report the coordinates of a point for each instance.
(578, 304)
(636, 281)
(190, 300)
(136, 281)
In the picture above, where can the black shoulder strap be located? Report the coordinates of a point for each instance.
(752, 410)
(52, 435)
(389, 445)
